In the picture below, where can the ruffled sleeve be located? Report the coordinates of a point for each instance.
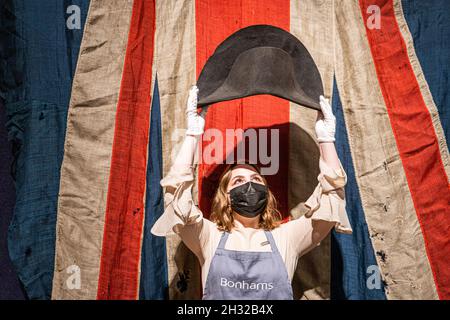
(180, 209)
(327, 202)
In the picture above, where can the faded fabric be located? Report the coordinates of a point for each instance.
(88, 147)
(397, 241)
(87, 166)
(38, 55)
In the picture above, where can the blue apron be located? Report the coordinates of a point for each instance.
(247, 275)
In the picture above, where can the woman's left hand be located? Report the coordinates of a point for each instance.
(326, 122)
(195, 120)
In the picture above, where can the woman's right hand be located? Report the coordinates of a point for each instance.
(195, 120)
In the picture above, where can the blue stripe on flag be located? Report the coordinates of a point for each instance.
(10, 288)
(38, 59)
(154, 283)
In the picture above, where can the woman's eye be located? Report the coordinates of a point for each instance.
(239, 180)
(257, 179)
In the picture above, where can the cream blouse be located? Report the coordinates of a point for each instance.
(293, 238)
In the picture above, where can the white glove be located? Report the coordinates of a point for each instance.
(326, 122)
(195, 120)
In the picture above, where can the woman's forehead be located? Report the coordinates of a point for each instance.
(243, 170)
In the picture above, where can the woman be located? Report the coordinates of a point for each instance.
(244, 250)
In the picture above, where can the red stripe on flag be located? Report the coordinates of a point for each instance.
(416, 139)
(121, 251)
(215, 21)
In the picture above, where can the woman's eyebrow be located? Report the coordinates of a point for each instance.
(240, 176)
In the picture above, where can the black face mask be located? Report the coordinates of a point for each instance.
(249, 199)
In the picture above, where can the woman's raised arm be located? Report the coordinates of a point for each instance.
(181, 215)
(325, 208)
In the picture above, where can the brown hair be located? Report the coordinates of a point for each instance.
(221, 212)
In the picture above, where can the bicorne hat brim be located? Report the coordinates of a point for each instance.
(260, 59)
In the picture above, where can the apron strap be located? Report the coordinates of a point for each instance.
(271, 241)
(223, 239)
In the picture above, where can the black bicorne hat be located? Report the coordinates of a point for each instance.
(260, 59)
